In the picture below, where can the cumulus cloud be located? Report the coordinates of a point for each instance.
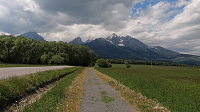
(181, 3)
(164, 23)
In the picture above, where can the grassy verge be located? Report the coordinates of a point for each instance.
(14, 88)
(175, 87)
(53, 100)
(74, 92)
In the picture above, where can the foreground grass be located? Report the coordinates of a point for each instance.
(54, 99)
(22, 65)
(175, 87)
(14, 88)
(74, 93)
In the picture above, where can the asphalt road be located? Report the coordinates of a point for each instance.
(18, 71)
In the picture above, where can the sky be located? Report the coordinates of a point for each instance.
(172, 24)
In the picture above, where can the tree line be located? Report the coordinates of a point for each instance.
(145, 62)
(18, 49)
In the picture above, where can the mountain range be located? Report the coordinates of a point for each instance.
(120, 47)
(127, 47)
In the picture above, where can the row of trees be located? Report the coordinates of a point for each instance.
(145, 62)
(18, 49)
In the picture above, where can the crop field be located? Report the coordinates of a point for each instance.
(178, 88)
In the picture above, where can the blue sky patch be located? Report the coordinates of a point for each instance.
(143, 6)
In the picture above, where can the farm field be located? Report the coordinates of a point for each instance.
(178, 88)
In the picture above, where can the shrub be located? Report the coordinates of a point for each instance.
(127, 64)
(56, 59)
(103, 63)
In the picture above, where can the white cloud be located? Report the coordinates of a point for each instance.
(86, 31)
(181, 3)
(66, 20)
(30, 5)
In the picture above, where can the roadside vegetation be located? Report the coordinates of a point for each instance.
(20, 50)
(177, 88)
(54, 100)
(12, 89)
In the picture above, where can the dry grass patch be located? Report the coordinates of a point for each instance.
(74, 94)
(136, 100)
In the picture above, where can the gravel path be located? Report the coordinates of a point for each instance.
(18, 71)
(100, 97)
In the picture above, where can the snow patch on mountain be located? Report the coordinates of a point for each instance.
(120, 44)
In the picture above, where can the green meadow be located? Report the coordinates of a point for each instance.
(178, 88)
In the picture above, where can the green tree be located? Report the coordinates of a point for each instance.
(44, 59)
(103, 63)
(56, 59)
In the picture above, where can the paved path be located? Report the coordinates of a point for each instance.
(100, 97)
(18, 71)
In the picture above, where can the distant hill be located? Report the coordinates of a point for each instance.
(33, 35)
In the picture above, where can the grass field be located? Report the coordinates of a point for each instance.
(175, 87)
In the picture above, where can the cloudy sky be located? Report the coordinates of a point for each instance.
(173, 24)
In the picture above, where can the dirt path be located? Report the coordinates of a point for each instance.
(100, 97)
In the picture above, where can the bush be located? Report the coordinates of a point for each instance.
(56, 59)
(103, 63)
(127, 65)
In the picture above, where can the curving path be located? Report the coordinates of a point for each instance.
(100, 97)
(18, 71)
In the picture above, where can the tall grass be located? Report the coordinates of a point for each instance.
(14, 88)
(53, 100)
(176, 87)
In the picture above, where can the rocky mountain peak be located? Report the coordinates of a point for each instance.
(77, 40)
(112, 36)
(33, 35)
(88, 41)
